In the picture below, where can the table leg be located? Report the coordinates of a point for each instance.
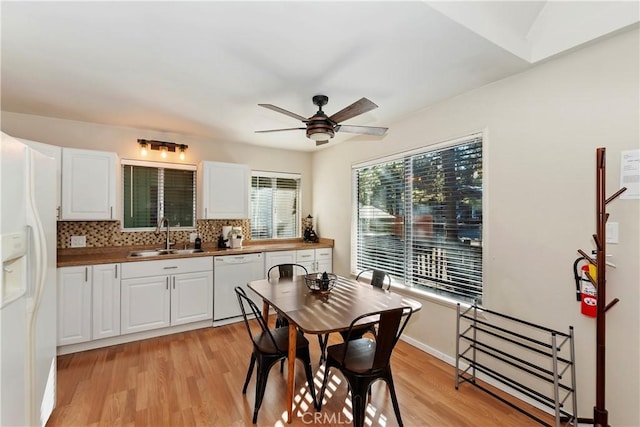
(265, 311)
(291, 373)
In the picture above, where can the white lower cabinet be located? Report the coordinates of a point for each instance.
(105, 299)
(314, 260)
(146, 304)
(151, 300)
(88, 303)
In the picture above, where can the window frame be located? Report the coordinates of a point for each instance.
(160, 212)
(408, 263)
(275, 175)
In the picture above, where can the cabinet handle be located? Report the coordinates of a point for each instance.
(174, 282)
(205, 213)
(170, 268)
(86, 274)
(111, 212)
(167, 284)
(116, 271)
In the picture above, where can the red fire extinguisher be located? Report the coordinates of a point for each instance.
(589, 293)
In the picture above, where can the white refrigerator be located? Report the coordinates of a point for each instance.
(28, 285)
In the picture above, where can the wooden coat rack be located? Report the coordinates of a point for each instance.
(600, 414)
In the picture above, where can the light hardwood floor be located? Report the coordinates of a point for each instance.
(196, 378)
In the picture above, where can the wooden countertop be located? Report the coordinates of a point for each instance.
(106, 255)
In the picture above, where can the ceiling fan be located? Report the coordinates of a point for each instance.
(321, 127)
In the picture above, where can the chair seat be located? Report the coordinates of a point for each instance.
(360, 354)
(281, 337)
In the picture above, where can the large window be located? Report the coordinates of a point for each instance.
(155, 190)
(275, 199)
(418, 216)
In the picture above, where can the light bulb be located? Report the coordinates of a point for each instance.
(143, 148)
(163, 152)
(182, 153)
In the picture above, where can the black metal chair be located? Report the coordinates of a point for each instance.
(284, 271)
(269, 347)
(364, 361)
(379, 279)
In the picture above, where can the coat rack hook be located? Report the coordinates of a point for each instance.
(611, 304)
(615, 195)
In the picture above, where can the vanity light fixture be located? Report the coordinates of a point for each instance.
(163, 146)
(143, 148)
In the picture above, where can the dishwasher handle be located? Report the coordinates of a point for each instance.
(238, 259)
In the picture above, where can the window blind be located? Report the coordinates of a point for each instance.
(419, 218)
(150, 193)
(274, 206)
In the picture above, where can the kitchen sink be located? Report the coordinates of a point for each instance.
(149, 253)
(159, 252)
(185, 251)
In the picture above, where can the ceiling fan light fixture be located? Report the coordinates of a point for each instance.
(319, 129)
(320, 136)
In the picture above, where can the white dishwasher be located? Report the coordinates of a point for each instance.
(230, 271)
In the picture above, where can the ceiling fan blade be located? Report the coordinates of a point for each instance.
(355, 109)
(278, 130)
(322, 142)
(365, 130)
(283, 111)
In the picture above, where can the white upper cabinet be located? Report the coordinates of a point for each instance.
(88, 184)
(223, 190)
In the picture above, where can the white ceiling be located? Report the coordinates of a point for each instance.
(201, 68)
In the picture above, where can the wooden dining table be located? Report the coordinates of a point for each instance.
(316, 313)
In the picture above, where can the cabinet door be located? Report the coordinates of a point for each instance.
(106, 300)
(74, 305)
(223, 191)
(280, 257)
(191, 297)
(145, 304)
(88, 184)
(324, 260)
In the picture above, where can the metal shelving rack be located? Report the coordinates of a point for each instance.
(489, 347)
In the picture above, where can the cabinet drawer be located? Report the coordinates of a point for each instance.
(166, 266)
(305, 255)
(324, 254)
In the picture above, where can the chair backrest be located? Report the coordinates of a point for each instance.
(246, 302)
(379, 278)
(391, 324)
(286, 270)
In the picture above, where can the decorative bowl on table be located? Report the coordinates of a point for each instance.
(320, 282)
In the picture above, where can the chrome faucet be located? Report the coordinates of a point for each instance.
(163, 220)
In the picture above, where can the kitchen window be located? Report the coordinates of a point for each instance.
(155, 190)
(418, 216)
(275, 205)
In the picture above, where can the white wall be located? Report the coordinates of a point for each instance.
(122, 140)
(542, 128)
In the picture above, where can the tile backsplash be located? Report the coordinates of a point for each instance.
(109, 233)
